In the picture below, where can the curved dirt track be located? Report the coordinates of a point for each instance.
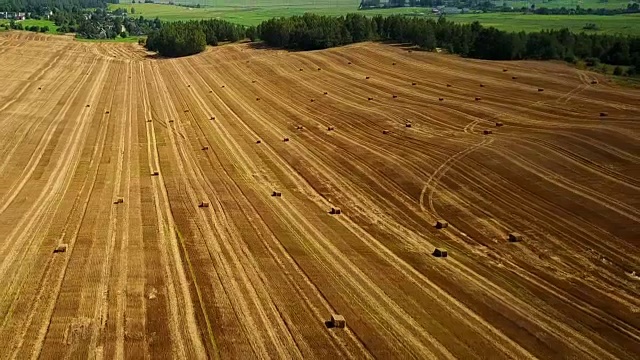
(256, 276)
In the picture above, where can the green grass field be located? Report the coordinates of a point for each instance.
(628, 24)
(594, 4)
(569, 4)
(30, 22)
(254, 12)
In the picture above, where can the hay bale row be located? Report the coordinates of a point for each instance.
(155, 173)
(203, 204)
(60, 248)
(205, 148)
(118, 200)
(276, 194)
(330, 128)
(285, 139)
(498, 124)
(335, 211)
(487, 132)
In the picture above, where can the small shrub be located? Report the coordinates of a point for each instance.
(592, 61)
(618, 71)
(591, 26)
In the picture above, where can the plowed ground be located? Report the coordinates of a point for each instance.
(256, 276)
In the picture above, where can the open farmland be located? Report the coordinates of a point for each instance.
(255, 276)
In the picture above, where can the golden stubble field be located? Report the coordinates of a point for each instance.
(256, 276)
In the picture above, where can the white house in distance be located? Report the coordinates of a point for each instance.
(13, 15)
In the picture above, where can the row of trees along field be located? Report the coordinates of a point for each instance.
(310, 32)
(41, 6)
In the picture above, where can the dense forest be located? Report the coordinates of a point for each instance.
(310, 32)
(191, 37)
(40, 6)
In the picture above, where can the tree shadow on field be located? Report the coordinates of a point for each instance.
(404, 46)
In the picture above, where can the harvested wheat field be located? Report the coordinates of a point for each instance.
(185, 226)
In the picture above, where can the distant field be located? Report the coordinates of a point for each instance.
(619, 24)
(628, 24)
(569, 4)
(594, 4)
(30, 22)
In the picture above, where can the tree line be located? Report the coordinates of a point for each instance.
(187, 38)
(41, 6)
(310, 32)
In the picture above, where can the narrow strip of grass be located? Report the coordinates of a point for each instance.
(32, 22)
